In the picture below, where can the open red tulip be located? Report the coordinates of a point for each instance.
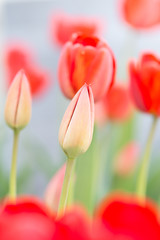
(145, 83)
(63, 26)
(19, 57)
(126, 219)
(141, 13)
(86, 59)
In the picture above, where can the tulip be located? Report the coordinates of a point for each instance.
(135, 12)
(145, 84)
(19, 57)
(18, 103)
(115, 106)
(28, 218)
(126, 160)
(145, 90)
(124, 216)
(73, 225)
(76, 128)
(75, 135)
(54, 188)
(17, 116)
(63, 26)
(86, 59)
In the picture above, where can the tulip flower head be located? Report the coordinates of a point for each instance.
(18, 103)
(19, 57)
(63, 26)
(76, 128)
(115, 106)
(135, 12)
(86, 59)
(145, 83)
(124, 216)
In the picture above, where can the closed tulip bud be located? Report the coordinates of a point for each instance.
(76, 129)
(18, 103)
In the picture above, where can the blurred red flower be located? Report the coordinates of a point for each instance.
(74, 225)
(118, 217)
(141, 13)
(25, 219)
(116, 105)
(19, 57)
(145, 83)
(86, 59)
(28, 218)
(127, 219)
(63, 26)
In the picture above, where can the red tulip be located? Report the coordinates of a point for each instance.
(141, 13)
(74, 225)
(124, 217)
(28, 218)
(86, 59)
(25, 219)
(63, 26)
(115, 106)
(127, 159)
(19, 57)
(145, 83)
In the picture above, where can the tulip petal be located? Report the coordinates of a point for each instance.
(67, 118)
(64, 72)
(138, 90)
(82, 59)
(101, 73)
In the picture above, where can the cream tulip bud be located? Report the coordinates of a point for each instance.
(76, 130)
(18, 103)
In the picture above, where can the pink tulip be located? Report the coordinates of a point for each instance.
(18, 103)
(76, 130)
(54, 188)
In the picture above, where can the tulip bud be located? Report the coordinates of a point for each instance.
(54, 188)
(18, 103)
(76, 128)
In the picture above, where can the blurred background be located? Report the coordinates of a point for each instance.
(29, 22)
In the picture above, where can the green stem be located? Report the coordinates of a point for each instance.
(66, 186)
(12, 186)
(142, 178)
